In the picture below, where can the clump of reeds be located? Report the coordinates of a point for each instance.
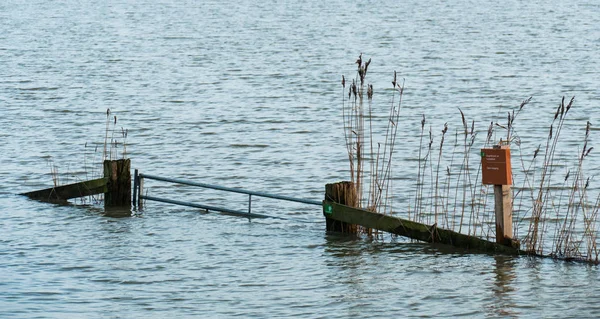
(454, 200)
(558, 214)
(540, 205)
(111, 146)
(355, 133)
(54, 172)
(561, 217)
(569, 241)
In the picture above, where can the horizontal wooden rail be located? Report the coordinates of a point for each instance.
(62, 193)
(410, 229)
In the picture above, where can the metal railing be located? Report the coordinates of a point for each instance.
(138, 196)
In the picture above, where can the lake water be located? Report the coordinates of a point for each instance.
(248, 95)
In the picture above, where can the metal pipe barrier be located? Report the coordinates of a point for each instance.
(139, 182)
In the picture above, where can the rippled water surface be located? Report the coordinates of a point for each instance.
(248, 95)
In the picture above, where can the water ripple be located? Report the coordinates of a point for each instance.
(248, 95)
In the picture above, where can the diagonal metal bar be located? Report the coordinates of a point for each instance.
(207, 207)
(234, 190)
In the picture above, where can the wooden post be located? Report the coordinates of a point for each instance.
(503, 210)
(497, 171)
(342, 193)
(119, 183)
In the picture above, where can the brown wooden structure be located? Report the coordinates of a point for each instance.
(63, 193)
(115, 185)
(118, 174)
(407, 228)
(497, 171)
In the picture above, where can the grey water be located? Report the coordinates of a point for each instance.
(248, 94)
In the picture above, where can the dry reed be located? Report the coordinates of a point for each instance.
(369, 163)
(565, 221)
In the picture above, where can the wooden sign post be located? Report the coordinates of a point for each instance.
(497, 171)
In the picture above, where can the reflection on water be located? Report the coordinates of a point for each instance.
(504, 285)
(118, 212)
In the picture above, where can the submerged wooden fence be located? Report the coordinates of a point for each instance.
(339, 208)
(61, 193)
(341, 211)
(407, 228)
(115, 185)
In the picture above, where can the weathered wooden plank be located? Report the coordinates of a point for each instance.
(61, 193)
(407, 228)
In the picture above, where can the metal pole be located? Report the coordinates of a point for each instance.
(141, 191)
(234, 190)
(209, 208)
(135, 188)
(249, 203)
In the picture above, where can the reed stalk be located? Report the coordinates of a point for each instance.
(104, 153)
(419, 186)
(437, 173)
(449, 174)
(394, 123)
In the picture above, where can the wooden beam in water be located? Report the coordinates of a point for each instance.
(410, 229)
(62, 193)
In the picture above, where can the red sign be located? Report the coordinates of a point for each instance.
(495, 166)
